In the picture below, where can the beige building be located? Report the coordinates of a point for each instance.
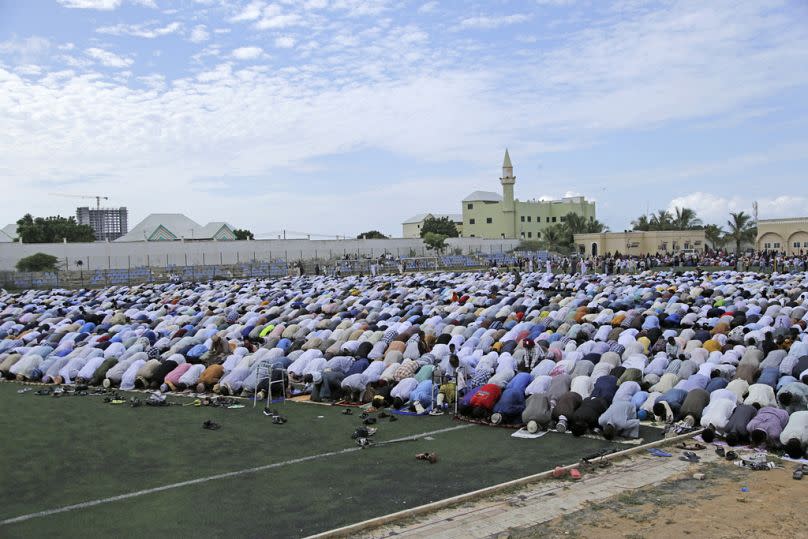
(783, 235)
(637, 243)
(487, 214)
(411, 228)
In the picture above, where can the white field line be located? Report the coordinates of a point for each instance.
(144, 492)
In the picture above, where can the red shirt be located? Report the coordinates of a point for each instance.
(487, 396)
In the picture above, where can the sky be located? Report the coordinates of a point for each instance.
(333, 117)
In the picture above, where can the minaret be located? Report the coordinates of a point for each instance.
(507, 180)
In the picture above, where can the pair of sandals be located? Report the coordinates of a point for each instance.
(210, 425)
(589, 466)
(278, 420)
(729, 455)
(695, 447)
(431, 458)
(800, 471)
(689, 456)
(559, 472)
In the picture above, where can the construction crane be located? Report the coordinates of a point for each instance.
(97, 198)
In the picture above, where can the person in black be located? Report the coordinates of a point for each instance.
(735, 431)
(587, 414)
(564, 409)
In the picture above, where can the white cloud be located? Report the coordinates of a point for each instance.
(428, 7)
(250, 12)
(279, 21)
(106, 5)
(493, 21)
(285, 42)
(247, 53)
(148, 30)
(376, 87)
(715, 209)
(25, 50)
(199, 34)
(107, 58)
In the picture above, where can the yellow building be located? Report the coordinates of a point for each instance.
(783, 235)
(411, 228)
(487, 214)
(638, 243)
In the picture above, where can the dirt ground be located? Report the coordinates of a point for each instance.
(715, 507)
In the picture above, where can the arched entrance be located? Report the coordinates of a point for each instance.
(594, 249)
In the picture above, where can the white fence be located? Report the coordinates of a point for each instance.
(114, 255)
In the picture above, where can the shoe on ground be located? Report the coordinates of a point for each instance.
(561, 426)
(496, 419)
(532, 427)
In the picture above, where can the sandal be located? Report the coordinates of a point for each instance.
(559, 472)
(347, 411)
(720, 451)
(689, 456)
(798, 473)
(586, 465)
(575, 473)
(210, 425)
(731, 455)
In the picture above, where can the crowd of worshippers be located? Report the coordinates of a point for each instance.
(726, 351)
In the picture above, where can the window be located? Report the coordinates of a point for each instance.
(538, 235)
(777, 245)
(563, 219)
(554, 219)
(523, 234)
(469, 206)
(530, 234)
(528, 218)
(548, 219)
(471, 221)
(472, 236)
(767, 245)
(489, 220)
(797, 244)
(522, 218)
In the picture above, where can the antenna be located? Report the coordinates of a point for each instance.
(755, 211)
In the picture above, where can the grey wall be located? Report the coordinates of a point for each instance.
(161, 254)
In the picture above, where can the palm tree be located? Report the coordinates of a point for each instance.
(593, 226)
(662, 220)
(715, 235)
(641, 223)
(553, 237)
(741, 229)
(685, 219)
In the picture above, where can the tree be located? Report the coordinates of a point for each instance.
(715, 235)
(53, 230)
(436, 242)
(685, 219)
(37, 262)
(439, 225)
(371, 235)
(554, 237)
(641, 223)
(661, 220)
(741, 229)
(243, 234)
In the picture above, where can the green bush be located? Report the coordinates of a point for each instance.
(37, 262)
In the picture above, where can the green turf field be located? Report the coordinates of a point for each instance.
(64, 451)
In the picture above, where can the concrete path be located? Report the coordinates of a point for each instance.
(540, 502)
